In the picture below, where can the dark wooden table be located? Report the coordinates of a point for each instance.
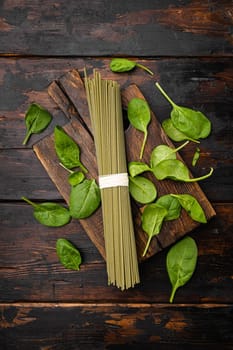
(188, 45)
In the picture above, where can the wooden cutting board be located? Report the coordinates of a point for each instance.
(69, 94)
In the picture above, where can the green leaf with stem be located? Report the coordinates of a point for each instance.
(181, 263)
(67, 150)
(192, 123)
(152, 219)
(37, 119)
(164, 152)
(139, 116)
(50, 214)
(120, 65)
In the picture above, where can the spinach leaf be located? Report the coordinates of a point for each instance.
(68, 254)
(181, 263)
(84, 199)
(171, 204)
(192, 123)
(139, 116)
(175, 170)
(50, 214)
(36, 119)
(196, 156)
(163, 152)
(152, 219)
(75, 178)
(67, 150)
(119, 65)
(141, 189)
(137, 168)
(174, 133)
(192, 207)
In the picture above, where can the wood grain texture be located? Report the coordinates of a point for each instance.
(150, 28)
(80, 131)
(110, 326)
(188, 45)
(30, 270)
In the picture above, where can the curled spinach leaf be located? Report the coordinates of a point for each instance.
(50, 214)
(67, 150)
(196, 156)
(192, 207)
(175, 170)
(68, 254)
(84, 199)
(181, 263)
(152, 219)
(75, 178)
(171, 204)
(37, 119)
(192, 123)
(173, 133)
(139, 116)
(142, 189)
(137, 168)
(164, 152)
(120, 65)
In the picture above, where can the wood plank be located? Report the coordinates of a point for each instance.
(89, 28)
(110, 326)
(171, 231)
(30, 270)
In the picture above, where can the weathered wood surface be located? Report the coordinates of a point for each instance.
(72, 97)
(135, 28)
(30, 270)
(205, 84)
(188, 45)
(111, 326)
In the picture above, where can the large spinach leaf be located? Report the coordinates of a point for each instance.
(139, 116)
(152, 219)
(181, 263)
(192, 123)
(192, 206)
(84, 199)
(68, 254)
(50, 214)
(142, 189)
(37, 119)
(67, 149)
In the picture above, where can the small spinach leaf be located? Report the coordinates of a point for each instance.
(84, 199)
(174, 133)
(139, 116)
(142, 189)
(75, 178)
(67, 150)
(137, 168)
(175, 170)
(196, 156)
(68, 254)
(192, 123)
(37, 119)
(119, 65)
(50, 214)
(171, 204)
(164, 152)
(192, 206)
(181, 263)
(152, 219)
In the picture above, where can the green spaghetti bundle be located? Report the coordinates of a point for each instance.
(104, 101)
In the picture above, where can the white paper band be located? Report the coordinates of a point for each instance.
(113, 180)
